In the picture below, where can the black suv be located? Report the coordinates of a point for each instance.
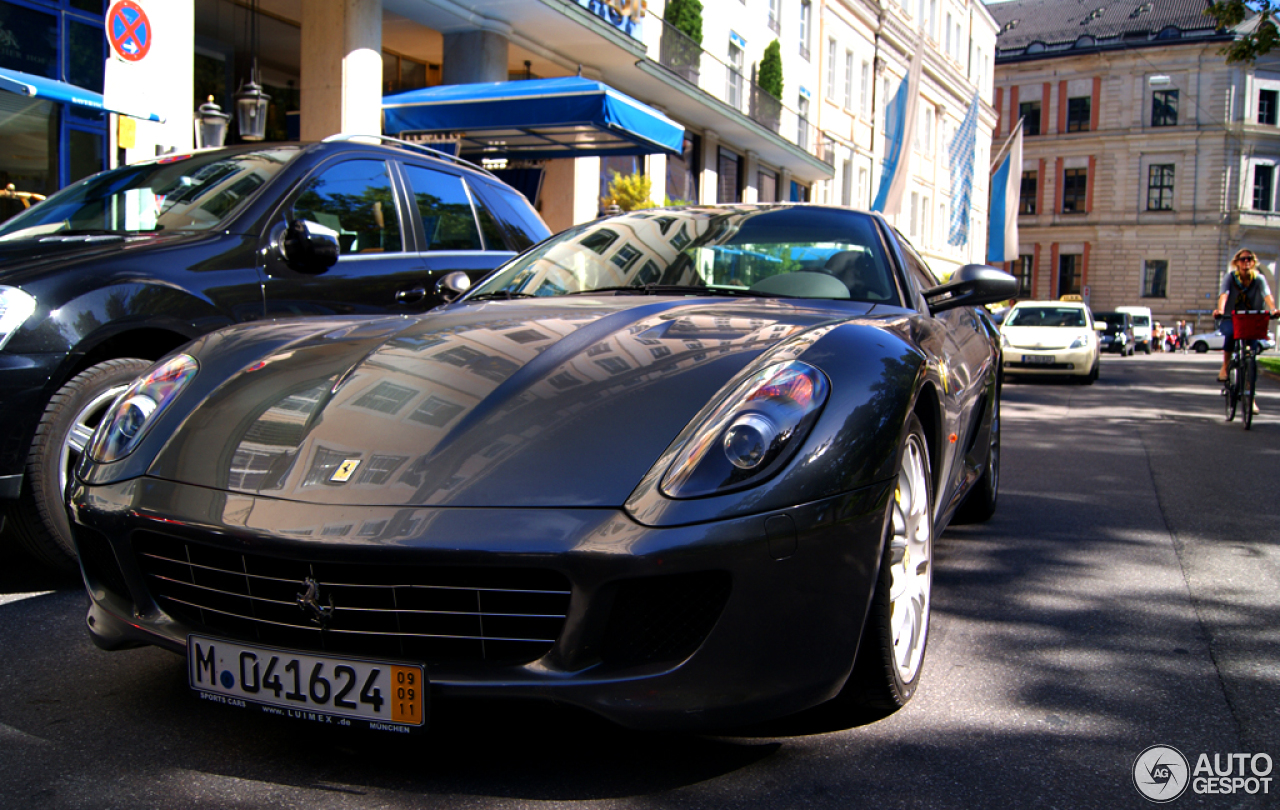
(117, 270)
(1117, 336)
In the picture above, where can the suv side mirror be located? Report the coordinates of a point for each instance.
(308, 247)
(971, 285)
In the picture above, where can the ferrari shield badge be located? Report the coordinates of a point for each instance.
(345, 470)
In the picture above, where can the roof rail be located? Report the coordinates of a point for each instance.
(436, 153)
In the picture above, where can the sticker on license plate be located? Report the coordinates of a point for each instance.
(1038, 359)
(325, 688)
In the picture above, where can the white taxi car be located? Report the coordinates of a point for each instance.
(1051, 338)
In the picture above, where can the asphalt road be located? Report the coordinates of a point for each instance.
(1127, 594)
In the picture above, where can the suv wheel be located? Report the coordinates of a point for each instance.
(40, 518)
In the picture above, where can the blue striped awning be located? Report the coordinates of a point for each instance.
(535, 119)
(26, 84)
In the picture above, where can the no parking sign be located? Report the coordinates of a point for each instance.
(128, 30)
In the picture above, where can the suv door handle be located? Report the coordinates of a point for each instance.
(412, 296)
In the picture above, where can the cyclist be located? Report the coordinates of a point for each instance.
(1243, 287)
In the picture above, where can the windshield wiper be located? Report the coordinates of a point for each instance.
(671, 289)
(499, 295)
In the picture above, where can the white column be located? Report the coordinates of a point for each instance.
(708, 187)
(751, 184)
(341, 82)
(656, 169)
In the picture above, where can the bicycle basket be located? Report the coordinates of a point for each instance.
(1249, 326)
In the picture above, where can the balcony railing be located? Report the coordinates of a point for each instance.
(686, 59)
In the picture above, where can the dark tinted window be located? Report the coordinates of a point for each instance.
(355, 199)
(522, 225)
(445, 208)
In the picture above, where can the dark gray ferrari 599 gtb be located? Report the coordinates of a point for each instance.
(680, 467)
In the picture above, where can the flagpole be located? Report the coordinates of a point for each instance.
(995, 162)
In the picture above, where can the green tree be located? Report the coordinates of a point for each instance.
(686, 16)
(770, 79)
(1262, 39)
(630, 191)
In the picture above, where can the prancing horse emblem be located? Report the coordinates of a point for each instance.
(309, 601)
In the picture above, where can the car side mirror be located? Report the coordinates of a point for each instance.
(971, 285)
(452, 285)
(1099, 326)
(308, 247)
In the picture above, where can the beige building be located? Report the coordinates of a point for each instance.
(867, 47)
(1147, 160)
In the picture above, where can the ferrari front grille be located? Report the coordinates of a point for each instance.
(424, 613)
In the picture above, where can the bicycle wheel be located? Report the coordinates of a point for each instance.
(1246, 399)
(1230, 392)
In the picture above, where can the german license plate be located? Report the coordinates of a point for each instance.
(1038, 359)
(381, 695)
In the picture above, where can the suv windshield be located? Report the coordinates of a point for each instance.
(192, 192)
(789, 252)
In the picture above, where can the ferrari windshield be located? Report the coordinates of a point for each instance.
(1046, 316)
(790, 251)
(190, 192)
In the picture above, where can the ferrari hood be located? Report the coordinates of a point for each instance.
(550, 402)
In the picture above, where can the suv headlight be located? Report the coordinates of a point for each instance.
(750, 434)
(137, 409)
(15, 307)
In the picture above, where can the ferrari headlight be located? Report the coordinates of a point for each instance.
(136, 410)
(750, 434)
(15, 307)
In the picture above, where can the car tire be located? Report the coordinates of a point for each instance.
(40, 519)
(890, 656)
(980, 504)
(1199, 347)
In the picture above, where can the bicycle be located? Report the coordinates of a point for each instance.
(1250, 329)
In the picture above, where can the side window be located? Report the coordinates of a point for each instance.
(922, 278)
(445, 209)
(355, 199)
(521, 223)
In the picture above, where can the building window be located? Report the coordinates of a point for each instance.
(864, 103)
(1074, 185)
(915, 206)
(1070, 267)
(729, 189)
(947, 31)
(802, 122)
(862, 187)
(806, 15)
(1022, 270)
(1027, 193)
(1155, 278)
(1078, 114)
(848, 80)
(1029, 112)
(735, 74)
(1164, 108)
(775, 16)
(1160, 187)
(846, 183)
(1267, 106)
(1263, 187)
(830, 93)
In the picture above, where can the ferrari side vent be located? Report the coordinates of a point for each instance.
(434, 614)
(659, 619)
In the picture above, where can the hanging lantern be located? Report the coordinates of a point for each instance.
(211, 125)
(251, 109)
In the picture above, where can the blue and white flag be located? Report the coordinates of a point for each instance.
(961, 152)
(900, 127)
(1006, 188)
